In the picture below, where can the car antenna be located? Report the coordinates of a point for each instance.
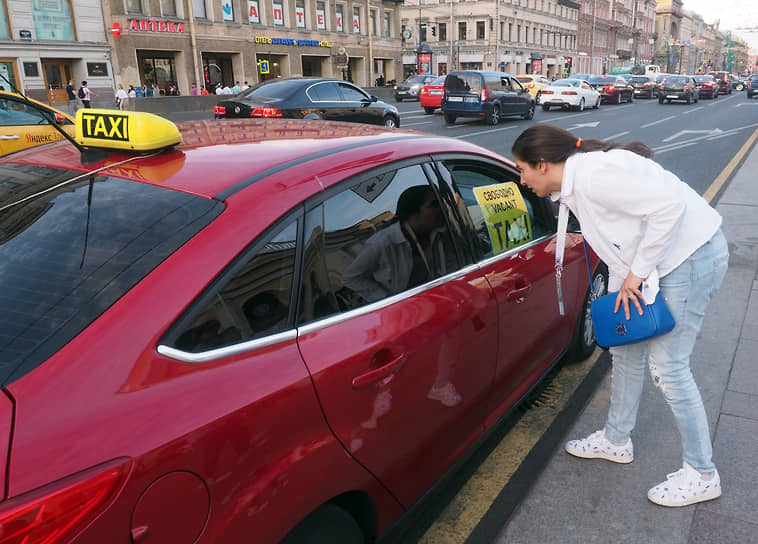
(88, 155)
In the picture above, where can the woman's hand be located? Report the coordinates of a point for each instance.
(630, 291)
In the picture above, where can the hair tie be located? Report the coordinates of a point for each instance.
(578, 143)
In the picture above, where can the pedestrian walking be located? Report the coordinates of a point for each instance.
(245, 86)
(71, 95)
(203, 91)
(122, 99)
(659, 238)
(193, 90)
(85, 94)
(236, 89)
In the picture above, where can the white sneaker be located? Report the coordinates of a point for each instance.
(685, 486)
(597, 446)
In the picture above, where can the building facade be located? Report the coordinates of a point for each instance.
(515, 36)
(615, 35)
(686, 44)
(181, 43)
(46, 43)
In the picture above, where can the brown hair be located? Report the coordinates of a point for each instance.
(553, 144)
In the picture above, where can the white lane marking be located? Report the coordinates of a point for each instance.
(414, 124)
(484, 132)
(712, 132)
(673, 148)
(619, 135)
(694, 109)
(669, 147)
(658, 121)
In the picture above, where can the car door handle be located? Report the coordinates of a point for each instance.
(517, 295)
(9, 137)
(384, 373)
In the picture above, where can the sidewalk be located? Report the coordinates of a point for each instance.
(594, 501)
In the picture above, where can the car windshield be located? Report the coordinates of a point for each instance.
(273, 89)
(464, 81)
(415, 80)
(566, 83)
(437, 81)
(72, 245)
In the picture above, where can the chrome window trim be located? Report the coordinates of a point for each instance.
(308, 94)
(384, 303)
(514, 250)
(234, 349)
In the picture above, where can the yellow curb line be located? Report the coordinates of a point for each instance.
(726, 172)
(461, 516)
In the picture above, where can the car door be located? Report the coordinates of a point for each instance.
(515, 231)
(23, 125)
(507, 95)
(590, 95)
(358, 105)
(327, 102)
(403, 368)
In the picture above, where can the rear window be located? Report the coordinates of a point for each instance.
(703, 79)
(566, 83)
(639, 79)
(274, 89)
(678, 80)
(71, 245)
(464, 81)
(603, 80)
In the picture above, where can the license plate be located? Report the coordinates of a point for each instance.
(672, 96)
(435, 92)
(637, 91)
(455, 99)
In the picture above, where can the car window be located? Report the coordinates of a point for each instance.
(503, 213)
(504, 84)
(251, 300)
(515, 85)
(565, 83)
(678, 80)
(72, 245)
(525, 79)
(351, 94)
(327, 91)
(464, 81)
(585, 85)
(381, 236)
(15, 113)
(273, 89)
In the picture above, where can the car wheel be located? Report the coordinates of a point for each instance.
(429, 111)
(390, 121)
(537, 98)
(583, 343)
(494, 117)
(580, 107)
(545, 107)
(739, 86)
(689, 99)
(530, 113)
(597, 104)
(631, 98)
(398, 99)
(660, 100)
(449, 118)
(326, 525)
(618, 98)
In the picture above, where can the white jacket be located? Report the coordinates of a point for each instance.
(635, 214)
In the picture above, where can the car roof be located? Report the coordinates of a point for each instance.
(220, 157)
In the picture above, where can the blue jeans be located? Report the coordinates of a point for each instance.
(687, 290)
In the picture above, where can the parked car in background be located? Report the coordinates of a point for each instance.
(410, 88)
(25, 122)
(725, 81)
(678, 88)
(740, 83)
(203, 341)
(707, 86)
(535, 83)
(643, 86)
(309, 98)
(489, 96)
(430, 94)
(570, 94)
(612, 89)
(751, 86)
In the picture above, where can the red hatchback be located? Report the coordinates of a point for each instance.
(272, 327)
(431, 94)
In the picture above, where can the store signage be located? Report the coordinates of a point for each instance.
(290, 41)
(340, 28)
(356, 23)
(116, 30)
(278, 13)
(253, 12)
(320, 19)
(300, 16)
(25, 34)
(156, 26)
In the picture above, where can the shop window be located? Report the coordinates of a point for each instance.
(157, 72)
(320, 16)
(134, 6)
(227, 10)
(198, 7)
(356, 20)
(442, 29)
(339, 18)
(168, 8)
(462, 30)
(8, 71)
(387, 24)
(480, 30)
(300, 13)
(372, 22)
(278, 13)
(53, 21)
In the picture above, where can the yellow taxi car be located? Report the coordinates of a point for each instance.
(535, 83)
(23, 124)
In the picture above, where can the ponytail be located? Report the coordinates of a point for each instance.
(553, 144)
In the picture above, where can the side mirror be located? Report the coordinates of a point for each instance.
(374, 99)
(59, 119)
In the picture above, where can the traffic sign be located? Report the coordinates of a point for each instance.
(263, 67)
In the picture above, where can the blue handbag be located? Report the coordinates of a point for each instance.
(613, 329)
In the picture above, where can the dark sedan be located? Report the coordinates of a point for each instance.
(707, 86)
(612, 89)
(309, 98)
(643, 86)
(678, 88)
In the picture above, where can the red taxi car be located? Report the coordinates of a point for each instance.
(262, 331)
(431, 94)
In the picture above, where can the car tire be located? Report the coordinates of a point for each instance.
(494, 116)
(631, 98)
(449, 118)
(390, 121)
(583, 343)
(429, 111)
(739, 87)
(537, 98)
(660, 100)
(327, 524)
(545, 107)
(398, 99)
(597, 104)
(530, 112)
(618, 98)
(689, 99)
(580, 107)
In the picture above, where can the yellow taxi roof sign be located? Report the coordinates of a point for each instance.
(125, 130)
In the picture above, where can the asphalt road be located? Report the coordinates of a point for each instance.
(695, 141)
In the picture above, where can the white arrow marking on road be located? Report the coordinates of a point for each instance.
(713, 132)
(584, 125)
